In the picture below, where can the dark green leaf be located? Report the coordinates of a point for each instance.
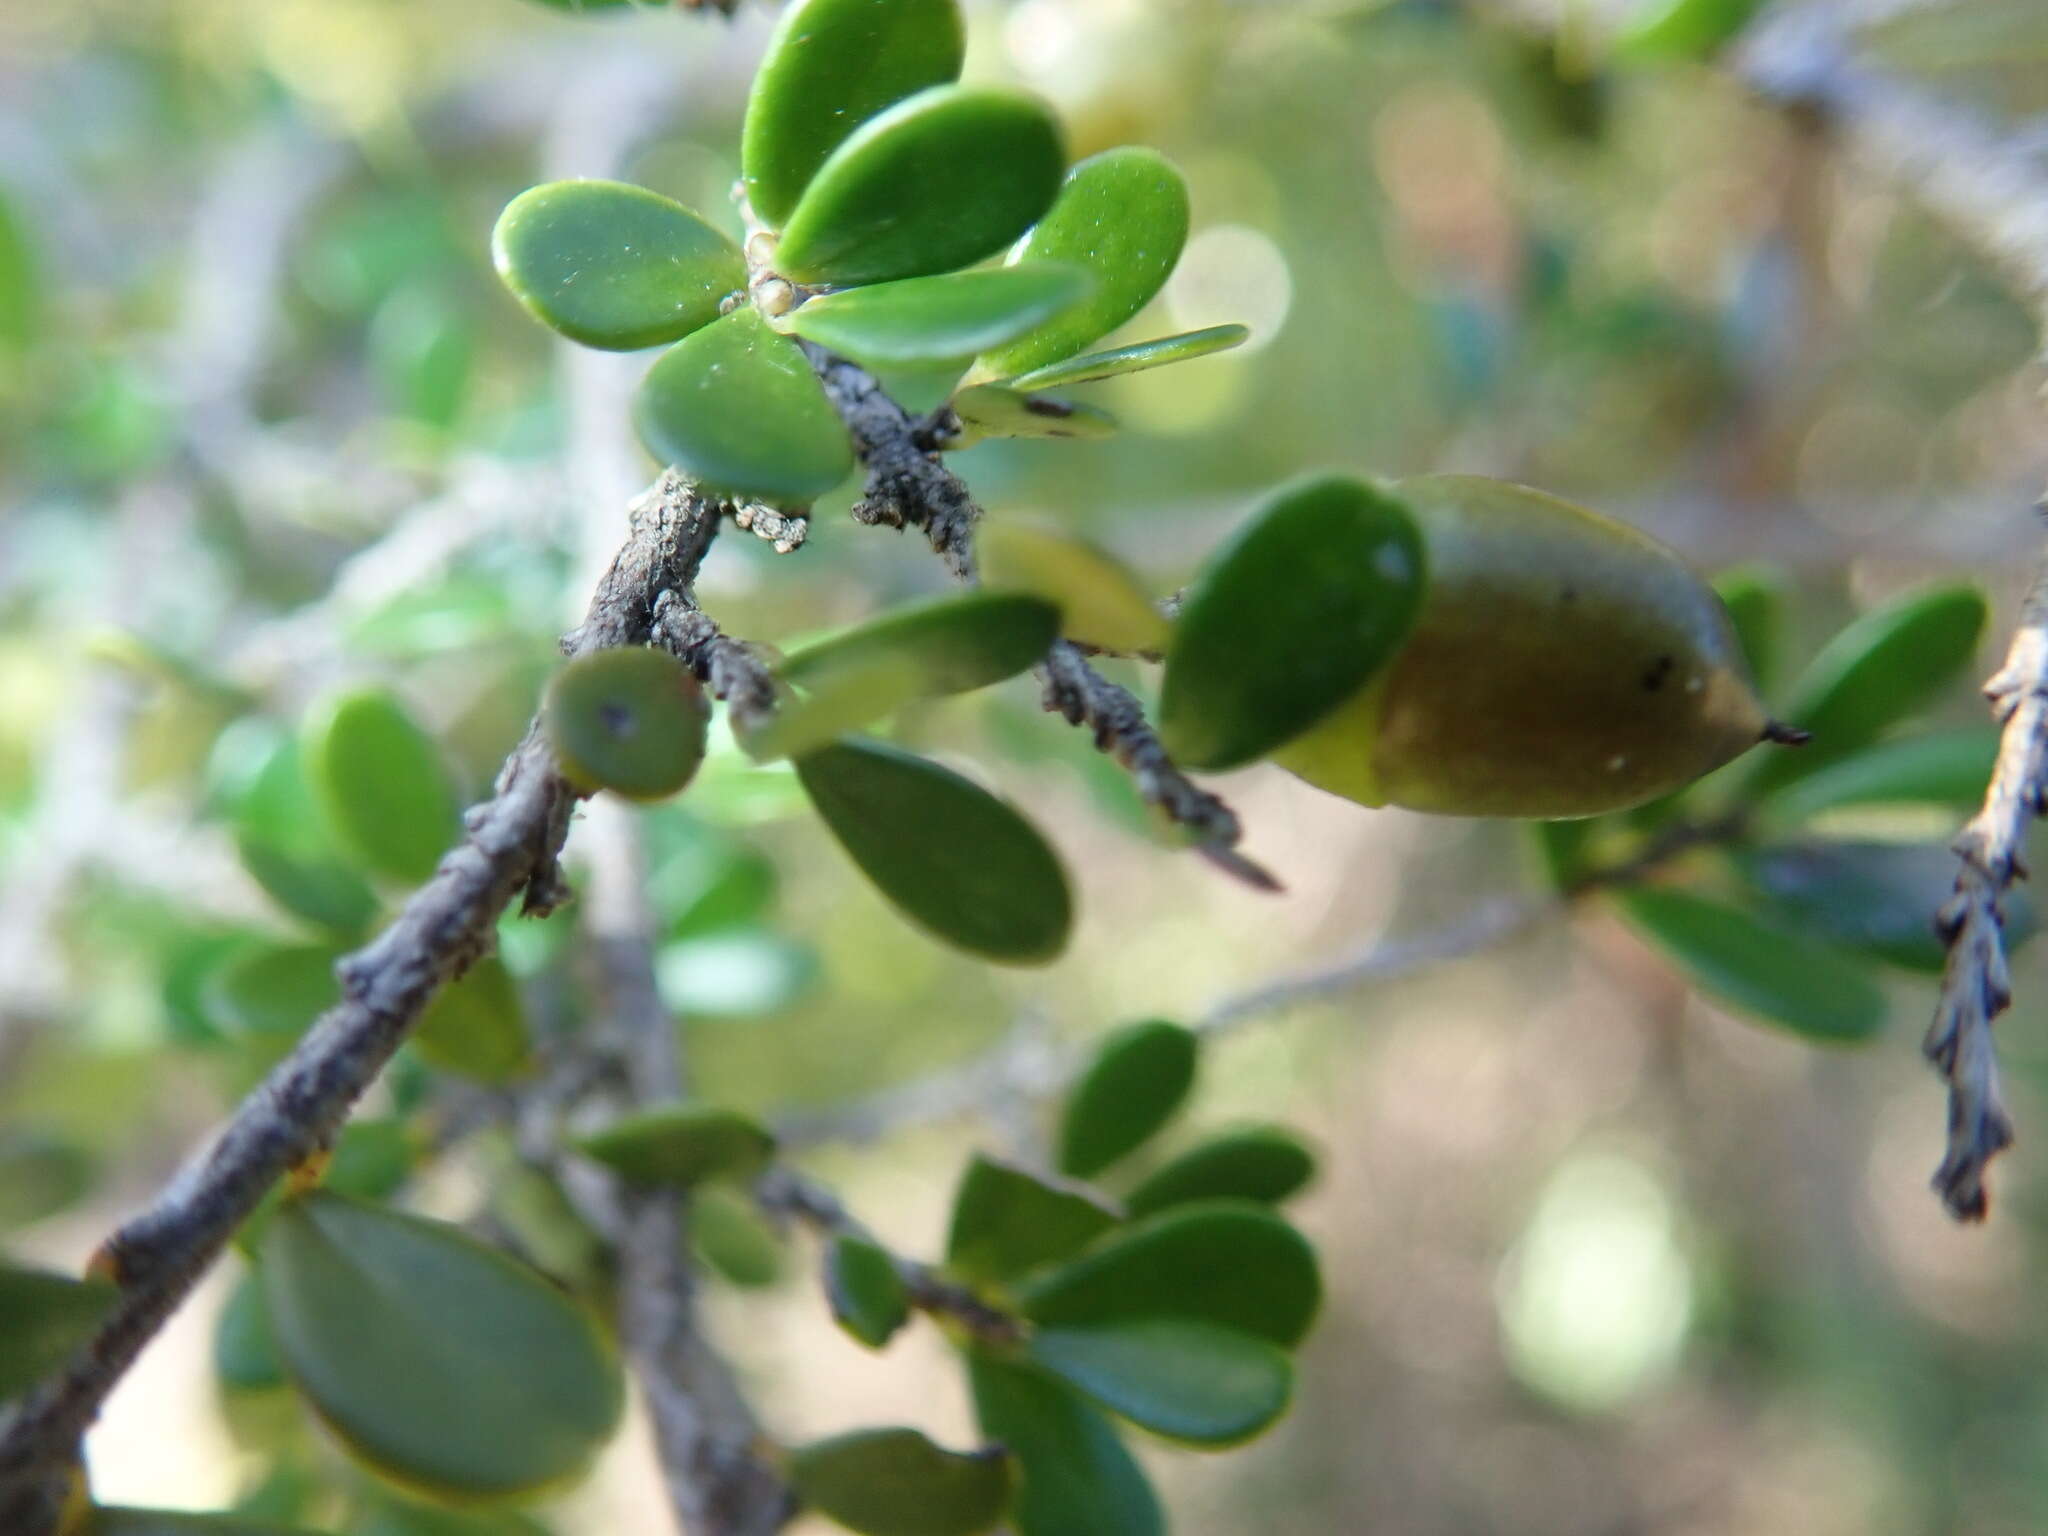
(1140, 1076)
(938, 181)
(441, 1362)
(682, 1145)
(1289, 620)
(40, 1175)
(953, 859)
(1100, 602)
(1183, 346)
(1880, 898)
(1078, 1478)
(1189, 1381)
(1782, 977)
(371, 1159)
(269, 995)
(1888, 665)
(44, 1319)
(1947, 768)
(991, 410)
(1561, 849)
(1008, 1222)
(1121, 215)
(1225, 1262)
(476, 1025)
(1757, 597)
(629, 719)
(738, 410)
(895, 1482)
(244, 1353)
(327, 894)
(864, 1290)
(175, 1522)
(380, 785)
(951, 645)
(1262, 1163)
(734, 975)
(279, 834)
(830, 66)
(939, 321)
(729, 1234)
(612, 265)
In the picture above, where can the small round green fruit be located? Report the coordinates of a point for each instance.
(629, 719)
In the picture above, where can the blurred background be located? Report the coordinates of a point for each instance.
(1601, 1258)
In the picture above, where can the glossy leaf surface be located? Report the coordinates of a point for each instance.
(935, 321)
(1007, 1221)
(950, 856)
(1139, 1077)
(1079, 1480)
(630, 719)
(896, 1482)
(44, 1319)
(737, 409)
(441, 1362)
(1099, 600)
(1121, 215)
(612, 265)
(380, 784)
(936, 182)
(829, 67)
(1289, 620)
(1229, 1263)
(476, 1025)
(864, 1291)
(1091, 367)
(1888, 665)
(682, 1145)
(1262, 1163)
(1761, 968)
(1189, 1381)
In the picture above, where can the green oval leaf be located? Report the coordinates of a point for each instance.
(923, 650)
(244, 1352)
(1189, 1381)
(994, 411)
(1099, 601)
(1889, 664)
(939, 321)
(1289, 620)
(440, 1362)
(1122, 215)
(728, 1233)
(682, 1145)
(951, 857)
(1224, 1262)
(938, 181)
(44, 1320)
(830, 66)
(40, 1175)
(1262, 1163)
(1079, 1480)
(281, 840)
(328, 895)
(1008, 1221)
(612, 265)
(895, 1482)
(629, 719)
(476, 1025)
(1784, 978)
(380, 784)
(1756, 597)
(1949, 768)
(1879, 898)
(269, 995)
(864, 1290)
(737, 409)
(1181, 347)
(1140, 1076)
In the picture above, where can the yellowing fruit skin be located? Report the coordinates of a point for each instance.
(1562, 665)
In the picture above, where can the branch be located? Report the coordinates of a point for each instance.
(909, 487)
(509, 851)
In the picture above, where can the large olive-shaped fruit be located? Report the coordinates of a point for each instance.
(1561, 665)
